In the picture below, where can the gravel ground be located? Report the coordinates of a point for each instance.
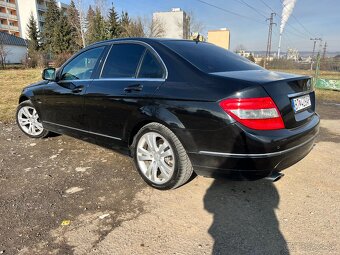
(64, 196)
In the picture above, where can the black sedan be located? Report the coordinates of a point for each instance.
(176, 107)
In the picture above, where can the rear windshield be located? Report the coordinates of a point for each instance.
(210, 58)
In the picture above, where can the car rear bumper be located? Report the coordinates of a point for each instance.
(258, 165)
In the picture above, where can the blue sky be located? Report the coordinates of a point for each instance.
(318, 19)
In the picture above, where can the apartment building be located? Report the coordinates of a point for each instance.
(15, 14)
(174, 22)
(9, 21)
(220, 37)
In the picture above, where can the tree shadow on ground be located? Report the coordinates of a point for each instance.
(244, 218)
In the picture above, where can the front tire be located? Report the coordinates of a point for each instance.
(160, 157)
(29, 121)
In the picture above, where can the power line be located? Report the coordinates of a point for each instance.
(231, 12)
(267, 5)
(252, 7)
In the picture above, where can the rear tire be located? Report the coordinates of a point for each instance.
(29, 121)
(160, 157)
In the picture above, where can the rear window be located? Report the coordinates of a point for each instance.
(210, 58)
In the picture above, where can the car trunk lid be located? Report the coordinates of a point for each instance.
(283, 88)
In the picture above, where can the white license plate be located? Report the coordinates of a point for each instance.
(301, 103)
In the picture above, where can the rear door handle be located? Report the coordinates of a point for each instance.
(135, 87)
(78, 89)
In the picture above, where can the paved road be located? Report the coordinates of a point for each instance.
(111, 211)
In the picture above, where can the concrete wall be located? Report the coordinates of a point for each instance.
(220, 38)
(174, 24)
(16, 54)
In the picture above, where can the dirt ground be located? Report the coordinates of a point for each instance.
(64, 196)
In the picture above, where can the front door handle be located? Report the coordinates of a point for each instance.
(135, 87)
(78, 89)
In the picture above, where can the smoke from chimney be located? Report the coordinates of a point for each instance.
(288, 6)
(287, 9)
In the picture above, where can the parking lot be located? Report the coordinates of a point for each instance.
(64, 196)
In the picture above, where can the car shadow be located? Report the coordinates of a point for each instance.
(244, 220)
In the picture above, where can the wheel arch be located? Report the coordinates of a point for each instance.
(23, 98)
(166, 118)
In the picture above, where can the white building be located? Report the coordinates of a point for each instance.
(244, 53)
(13, 47)
(15, 14)
(175, 23)
(293, 54)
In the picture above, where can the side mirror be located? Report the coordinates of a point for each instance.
(49, 74)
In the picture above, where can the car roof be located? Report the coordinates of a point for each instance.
(141, 39)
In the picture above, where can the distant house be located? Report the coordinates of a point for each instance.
(13, 47)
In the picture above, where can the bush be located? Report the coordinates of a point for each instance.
(60, 59)
(35, 59)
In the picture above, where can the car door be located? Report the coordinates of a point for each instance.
(129, 77)
(63, 101)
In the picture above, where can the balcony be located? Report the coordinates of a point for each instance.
(13, 28)
(41, 7)
(3, 15)
(12, 17)
(8, 5)
(4, 26)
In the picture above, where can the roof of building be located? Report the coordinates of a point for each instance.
(9, 39)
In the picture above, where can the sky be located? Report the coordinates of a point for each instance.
(312, 19)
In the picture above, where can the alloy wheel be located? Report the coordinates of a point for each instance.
(29, 121)
(155, 157)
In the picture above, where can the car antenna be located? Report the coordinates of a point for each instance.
(197, 39)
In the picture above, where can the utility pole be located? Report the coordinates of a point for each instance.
(324, 50)
(314, 43)
(269, 41)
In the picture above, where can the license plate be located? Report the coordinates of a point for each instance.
(301, 103)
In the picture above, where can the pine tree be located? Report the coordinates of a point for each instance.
(124, 22)
(113, 23)
(52, 18)
(63, 40)
(90, 26)
(76, 29)
(33, 35)
(97, 26)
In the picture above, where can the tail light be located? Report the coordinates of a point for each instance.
(256, 113)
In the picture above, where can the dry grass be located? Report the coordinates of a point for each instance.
(323, 74)
(12, 82)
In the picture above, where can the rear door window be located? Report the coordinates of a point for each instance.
(150, 67)
(123, 60)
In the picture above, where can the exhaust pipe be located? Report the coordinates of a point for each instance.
(274, 176)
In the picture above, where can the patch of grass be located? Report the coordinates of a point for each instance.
(332, 75)
(327, 95)
(11, 83)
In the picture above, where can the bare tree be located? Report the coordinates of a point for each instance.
(82, 19)
(194, 24)
(239, 48)
(4, 52)
(153, 28)
(191, 25)
(134, 28)
(102, 6)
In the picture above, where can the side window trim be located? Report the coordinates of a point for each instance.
(60, 72)
(147, 47)
(159, 61)
(140, 63)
